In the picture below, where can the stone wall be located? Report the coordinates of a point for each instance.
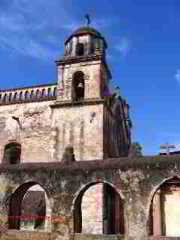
(32, 128)
(82, 127)
(44, 132)
(92, 79)
(135, 180)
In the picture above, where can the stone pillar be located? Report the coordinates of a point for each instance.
(89, 43)
(60, 80)
(75, 40)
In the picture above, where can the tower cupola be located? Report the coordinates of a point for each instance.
(84, 41)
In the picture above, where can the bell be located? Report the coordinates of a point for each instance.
(80, 85)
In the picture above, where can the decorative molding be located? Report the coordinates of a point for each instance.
(92, 101)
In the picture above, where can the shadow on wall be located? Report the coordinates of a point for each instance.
(164, 212)
(28, 208)
(98, 209)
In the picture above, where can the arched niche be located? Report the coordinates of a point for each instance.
(98, 209)
(12, 153)
(29, 208)
(78, 86)
(164, 212)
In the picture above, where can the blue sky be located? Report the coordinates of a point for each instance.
(144, 54)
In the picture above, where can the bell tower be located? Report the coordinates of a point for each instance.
(82, 73)
(87, 118)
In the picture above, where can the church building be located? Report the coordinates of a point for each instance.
(38, 123)
(65, 168)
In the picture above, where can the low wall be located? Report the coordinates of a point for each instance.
(25, 235)
(97, 237)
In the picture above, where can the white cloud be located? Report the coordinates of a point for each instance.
(28, 47)
(124, 46)
(33, 28)
(177, 75)
(37, 28)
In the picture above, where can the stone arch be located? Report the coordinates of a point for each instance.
(163, 209)
(78, 86)
(38, 94)
(10, 97)
(49, 92)
(111, 205)
(5, 98)
(21, 96)
(26, 95)
(29, 208)
(44, 92)
(12, 153)
(15, 96)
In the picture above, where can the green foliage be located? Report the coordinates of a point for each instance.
(136, 149)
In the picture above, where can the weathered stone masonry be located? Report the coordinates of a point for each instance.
(135, 181)
(64, 171)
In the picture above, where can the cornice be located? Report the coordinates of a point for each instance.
(59, 104)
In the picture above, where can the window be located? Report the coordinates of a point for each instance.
(12, 153)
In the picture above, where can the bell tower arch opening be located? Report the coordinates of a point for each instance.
(80, 49)
(83, 86)
(85, 50)
(78, 86)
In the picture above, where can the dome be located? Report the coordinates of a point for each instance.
(86, 30)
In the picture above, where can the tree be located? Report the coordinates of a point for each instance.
(135, 150)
